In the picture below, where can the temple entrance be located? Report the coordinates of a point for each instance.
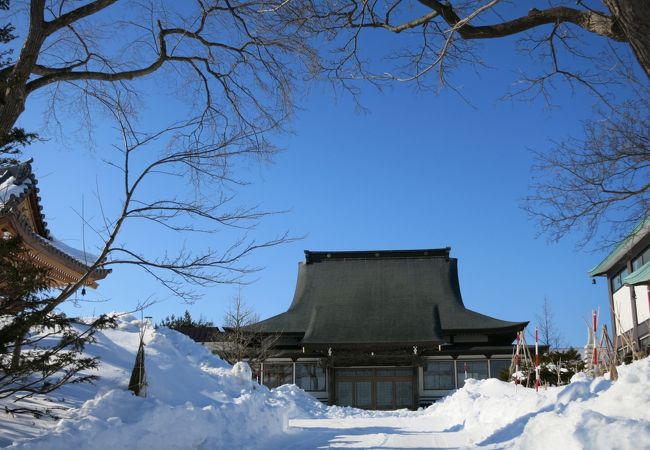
(375, 388)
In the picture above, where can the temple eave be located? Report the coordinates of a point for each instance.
(63, 270)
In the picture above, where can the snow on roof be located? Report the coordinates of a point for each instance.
(84, 258)
(9, 189)
(18, 180)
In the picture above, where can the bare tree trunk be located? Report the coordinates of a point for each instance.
(13, 88)
(633, 16)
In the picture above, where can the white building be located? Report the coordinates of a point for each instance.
(627, 269)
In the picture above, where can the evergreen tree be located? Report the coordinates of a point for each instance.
(558, 366)
(184, 321)
(39, 351)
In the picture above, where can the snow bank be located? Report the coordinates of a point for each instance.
(487, 405)
(301, 404)
(193, 400)
(118, 420)
(304, 406)
(595, 414)
(586, 414)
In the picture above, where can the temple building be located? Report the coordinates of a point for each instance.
(627, 269)
(21, 215)
(383, 330)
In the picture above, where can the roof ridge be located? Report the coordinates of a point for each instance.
(319, 256)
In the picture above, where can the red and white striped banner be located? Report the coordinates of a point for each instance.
(595, 355)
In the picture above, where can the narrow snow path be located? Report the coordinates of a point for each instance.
(370, 433)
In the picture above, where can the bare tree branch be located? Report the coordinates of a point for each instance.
(600, 180)
(243, 58)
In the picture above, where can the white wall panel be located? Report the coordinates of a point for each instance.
(642, 308)
(623, 309)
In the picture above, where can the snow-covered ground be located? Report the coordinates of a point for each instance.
(196, 401)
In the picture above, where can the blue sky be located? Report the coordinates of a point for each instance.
(415, 170)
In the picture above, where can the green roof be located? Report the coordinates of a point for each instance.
(639, 276)
(384, 297)
(639, 232)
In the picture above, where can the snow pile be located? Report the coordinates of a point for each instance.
(488, 405)
(193, 401)
(595, 414)
(304, 406)
(301, 404)
(586, 414)
(242, 370)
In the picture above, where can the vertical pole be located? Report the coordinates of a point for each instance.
(595, 354)
(537, 377)
(517, 381)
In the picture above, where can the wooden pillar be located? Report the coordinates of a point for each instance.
(331, 385)
(416, 386)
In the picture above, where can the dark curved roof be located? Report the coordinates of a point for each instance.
(391, 297)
